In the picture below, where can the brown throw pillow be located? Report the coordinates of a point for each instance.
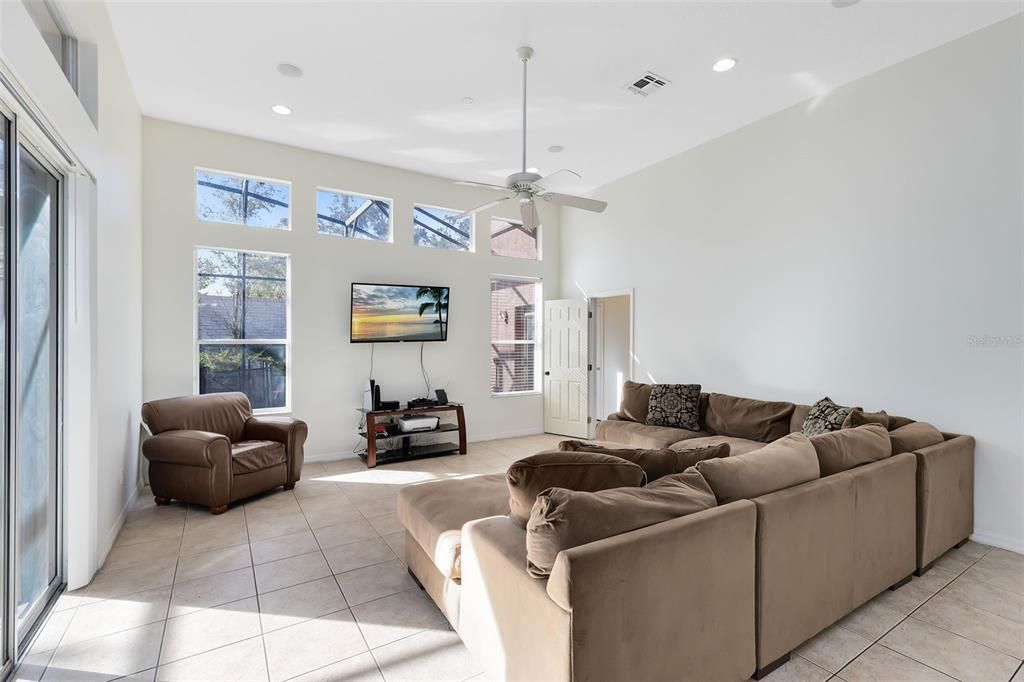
(587, 471)
(849, 448)
(635, 398)
(745, 418)
(789, 461)
(675, 405)
(825, 415)
(859, 418)
(899, 422)
(914, 437)
(655, 463)
(562, 518)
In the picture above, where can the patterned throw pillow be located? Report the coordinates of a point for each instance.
(825, 416)
(675, 405)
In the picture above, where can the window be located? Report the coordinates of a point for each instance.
(510, 238)
(242, 325)
(514, 345)
(52, 27)
(241, 200)
(440, 228)
(353, 215)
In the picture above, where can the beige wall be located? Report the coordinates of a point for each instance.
(328, 372)
(854, 246)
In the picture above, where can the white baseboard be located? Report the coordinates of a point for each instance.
(1000, 541)
(313, 458)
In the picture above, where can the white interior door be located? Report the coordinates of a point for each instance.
(566, 372)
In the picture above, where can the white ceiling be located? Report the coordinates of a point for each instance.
(384, 81)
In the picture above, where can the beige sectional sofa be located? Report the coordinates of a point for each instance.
(716, 595)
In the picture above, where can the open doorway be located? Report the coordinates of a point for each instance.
(611, 352)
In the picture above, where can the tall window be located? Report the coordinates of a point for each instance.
(240, 200)
(242, 331)
(353, 215)
(510, 238)
(514, 334)
(441, 228)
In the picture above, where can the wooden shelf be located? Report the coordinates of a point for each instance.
(407, 450)
(442, 428)
(413, 452)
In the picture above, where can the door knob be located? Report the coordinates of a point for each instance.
(547, 374)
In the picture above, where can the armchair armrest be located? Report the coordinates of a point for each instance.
(680, 593)
(945, 496)
(291, 432)
(189, 448)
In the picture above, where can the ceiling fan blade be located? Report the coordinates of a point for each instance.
(470, 183)
(483, 207)
(528, 209)
(575, 201)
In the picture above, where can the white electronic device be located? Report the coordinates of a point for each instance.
(409, 424)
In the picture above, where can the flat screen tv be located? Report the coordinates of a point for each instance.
(383, 313)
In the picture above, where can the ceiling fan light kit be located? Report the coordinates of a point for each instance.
(524, 186)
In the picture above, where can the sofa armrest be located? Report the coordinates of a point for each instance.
(945, 496)
(189, 448)
(678, 596)
(291, 432)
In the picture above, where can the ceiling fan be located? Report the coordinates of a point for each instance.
(524, 185)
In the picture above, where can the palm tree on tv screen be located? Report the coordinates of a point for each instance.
(434, 299)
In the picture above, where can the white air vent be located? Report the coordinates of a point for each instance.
(647, 83)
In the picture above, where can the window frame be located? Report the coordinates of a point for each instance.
(243, 176)
(472, 228)
(538, 334)
(510, 221)
(391, 214)
(286, 342)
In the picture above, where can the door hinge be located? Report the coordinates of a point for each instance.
(590, 420)
(590, 314)
(590, 368)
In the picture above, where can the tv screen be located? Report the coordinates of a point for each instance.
(398, 312)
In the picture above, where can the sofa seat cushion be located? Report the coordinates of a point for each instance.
(787, 462)
(849, 448)
(737, 446)
(248, 456)
(434, 512)
(642, 435)
(760, 420)
(655, 463)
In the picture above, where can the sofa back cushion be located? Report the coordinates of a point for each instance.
(562, 518)
(848, 448)
(759, 420)
(914, 436)
(655, 463)
(789, 461)
(635, 399)
(223, 413)
(586, 471)
(860, 418)
(896, 422)
(796, 422)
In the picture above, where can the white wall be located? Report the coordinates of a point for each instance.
(328, 372)
(104, 370)
(851, 246)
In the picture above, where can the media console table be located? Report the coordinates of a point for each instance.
(408, 450)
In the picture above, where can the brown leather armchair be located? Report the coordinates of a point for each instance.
(210, 450)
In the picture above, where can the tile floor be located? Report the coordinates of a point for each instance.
(310, 585)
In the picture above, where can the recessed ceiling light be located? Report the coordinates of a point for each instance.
(281, 109)
(467, 101)
(556, 148)
(289, 70)
(843, 4)
(723, 64)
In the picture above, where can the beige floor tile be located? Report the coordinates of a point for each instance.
(204, 541)
(156, 528)
(366, 584)
(1019, 676)
(240, 662)
(872, 620)
(954, 655)
(361, 668)
(377, 505)
(314, 487)
(386, 523)
(144, 676)
(975, 549)
(434, 655)
(998, 575)
(391, 618)
(344, 533)
(331, 516)
(798, 669)
(358, 554)
(52, 630)
(117, 614)
(955, 560)
(970, 589)
(211, 590)
(284, 546)
(881, 664)
(104, 658)
(130, 580)
(833, 648)
(210, 629)
(154, 551)
(201, 520)
(276, 525)
(282, 573)
(1004, 558)
(212, 562)
(312, 645)
(33, 666)
(917, 591)
(980, 626)
(396, 541)
(292, 605)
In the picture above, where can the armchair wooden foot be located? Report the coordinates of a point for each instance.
(162, 500)
(289, 486)
(218, 510)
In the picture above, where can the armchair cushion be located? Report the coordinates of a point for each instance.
(248, 456)
(291, 432)
(188, 448)
(223, 413)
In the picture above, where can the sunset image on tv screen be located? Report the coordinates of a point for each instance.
(385, 312)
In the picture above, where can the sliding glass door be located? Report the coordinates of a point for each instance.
(5, 194)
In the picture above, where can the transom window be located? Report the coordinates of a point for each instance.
(514, 334)
(242, 200)
(441, 228)
(510, 238)
(242, 325)
(353, 215)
